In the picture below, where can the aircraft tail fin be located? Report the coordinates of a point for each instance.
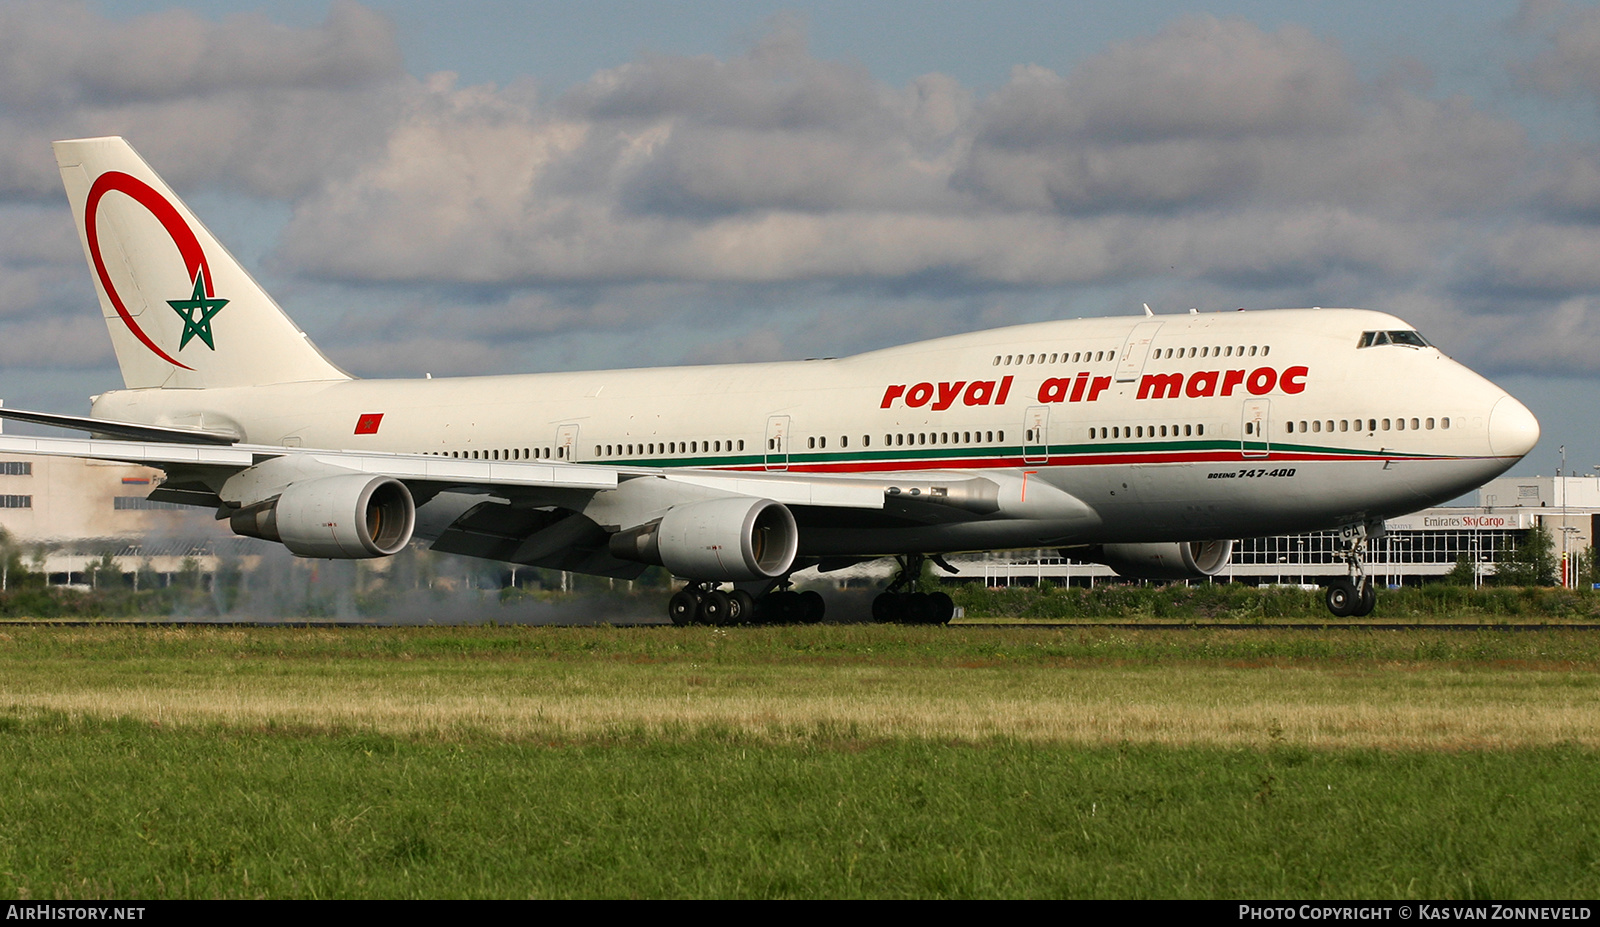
(182, 311)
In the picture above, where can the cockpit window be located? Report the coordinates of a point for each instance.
(1406, 337)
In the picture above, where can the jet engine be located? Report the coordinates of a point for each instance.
(737, 539)
(1182, 560)
(339, 517)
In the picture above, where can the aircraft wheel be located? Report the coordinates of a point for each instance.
(684, 607)
(944, 607)
(811, 606)
(1342, 598)
(744, 608)
(779, 608)
(919, 608)
(1367, 599)
(886, 608)
(716, 607)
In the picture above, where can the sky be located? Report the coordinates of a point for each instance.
(500, 187)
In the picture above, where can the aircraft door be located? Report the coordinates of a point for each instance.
(1255, 439)
(566, 441)
(777, 442)
(1035, 443)
(1136, 350)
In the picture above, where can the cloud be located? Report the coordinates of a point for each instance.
(1197, 78)
(74, 340)
(1569, 64)
(59, 55)
(751, 205)
(1212, 148)
(268, 108)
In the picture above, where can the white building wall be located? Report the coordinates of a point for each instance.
(69, 499)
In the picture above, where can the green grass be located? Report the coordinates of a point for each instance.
(1240, 604)
(124, 809)
(797, 762)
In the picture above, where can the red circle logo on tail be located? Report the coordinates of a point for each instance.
(194, 259)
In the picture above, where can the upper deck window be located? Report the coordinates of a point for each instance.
(1405, 337)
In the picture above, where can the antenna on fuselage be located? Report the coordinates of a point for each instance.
(1147, 311)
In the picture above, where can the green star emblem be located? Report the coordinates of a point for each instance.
(197, 312)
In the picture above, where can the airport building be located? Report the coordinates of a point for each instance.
(66, 514)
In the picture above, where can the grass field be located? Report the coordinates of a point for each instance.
(847, 761)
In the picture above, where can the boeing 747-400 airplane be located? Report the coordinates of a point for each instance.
(1146, 443)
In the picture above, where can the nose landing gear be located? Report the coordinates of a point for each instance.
(1355, 596)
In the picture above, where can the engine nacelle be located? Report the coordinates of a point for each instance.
(340, 517)
(1181, 560)
(732, 540)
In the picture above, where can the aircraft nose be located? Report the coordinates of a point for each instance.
(1513, 431)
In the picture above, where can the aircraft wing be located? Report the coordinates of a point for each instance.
(213, 466)
(133, 431)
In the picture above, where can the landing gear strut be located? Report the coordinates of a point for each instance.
(1355, 595)
(898, 605)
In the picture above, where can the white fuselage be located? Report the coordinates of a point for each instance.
(1164, 428)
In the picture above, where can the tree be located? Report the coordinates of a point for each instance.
(1530, 563)
(1462, 574)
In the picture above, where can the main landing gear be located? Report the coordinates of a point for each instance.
(900, 606)
(704, 603)
(1355, 596)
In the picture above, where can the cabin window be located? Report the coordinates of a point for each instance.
(1416, 425)
(997, 360)
(1444, 423)
(866, 440)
